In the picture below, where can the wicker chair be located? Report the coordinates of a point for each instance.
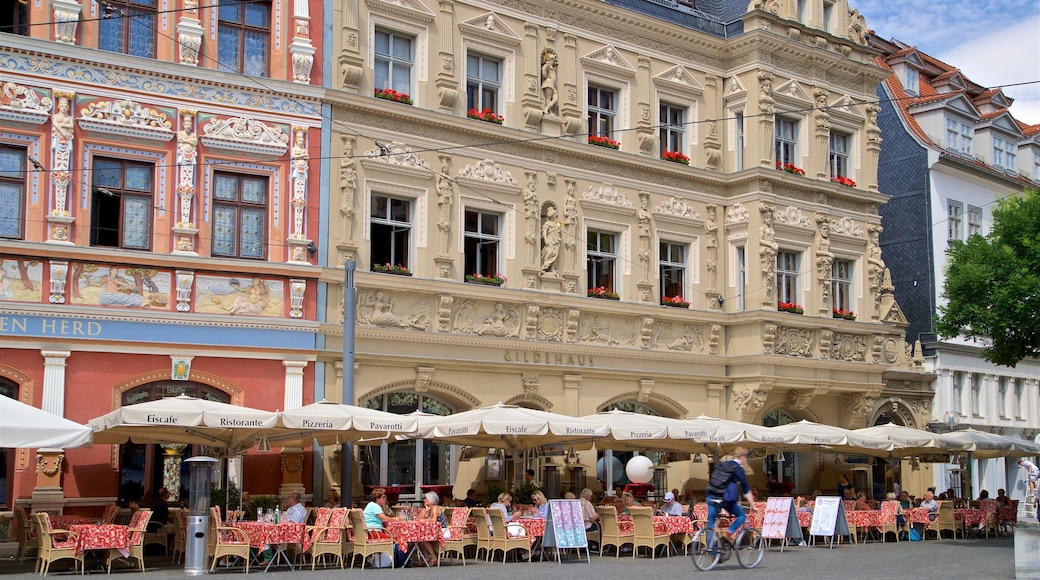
(889, 522)
(159, 536)
(500, 539)
(944, 521)
(227, 541)
(55, 545)
(645, 533)
(460, 537)
(610, 531)
(366, 545)
(989, 522)
(327, 539)
(110, 513)
(180, 530)
(138, 528)
(27, 535)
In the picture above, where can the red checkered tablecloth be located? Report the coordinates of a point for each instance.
(414, 531)
(535, 526)
(917, 515)
(63, 522)
(104, 537)
(865, 518)
(970, 516)
(1006, 514)
(262, 535)
(675, 524)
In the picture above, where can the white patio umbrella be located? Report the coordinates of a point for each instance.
(508, 426)
(985, 445)
(26, 426)
(330, 422)
(909, 441)
(806, 435)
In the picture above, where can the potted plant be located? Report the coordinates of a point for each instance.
(790, 307)
(790, 168)
(392, 95)
(846, 314)
(842, 180)
(485, 115)
(675, 301)
(389, 268)
(604, 142)
(496, 280)
(603, 292)
(675, 157)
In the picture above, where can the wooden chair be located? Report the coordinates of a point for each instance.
(138, 528)
(368, 542)
(460, 537)
(27, 534)
(610, 531)
(500, 539)
(645, 533)
(227, 541)
(889, 522)
(327, 540)
(55, 545)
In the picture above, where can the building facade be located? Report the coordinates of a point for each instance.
(952, 150)
(670, 208)
(160, 207)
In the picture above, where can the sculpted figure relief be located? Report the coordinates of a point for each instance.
(550, 96)
(551, 237)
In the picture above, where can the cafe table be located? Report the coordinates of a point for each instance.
(90, 537)
(412, 532)
(62, 522)
(278, 536)
(865, 519)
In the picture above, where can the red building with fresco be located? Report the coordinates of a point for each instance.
(159, 186)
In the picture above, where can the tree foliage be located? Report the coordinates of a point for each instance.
(993, 284)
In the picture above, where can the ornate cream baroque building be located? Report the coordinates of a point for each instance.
(523, 191)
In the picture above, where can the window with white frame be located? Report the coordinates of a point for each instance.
(603, 111)
(953, 134)
(1019, 403)
(841, 284)
(911, 80)
(239, 215)
(393, 60)
(738, 118)
(1004, 153)
(787, 263)
(243, 36)
(128, 27)
(786, 141)
(601, 257)
(828, 16)
(672, 269)
(121, 203)
(672, 130)
(838, 156)
(391, 224)
(958, 392)
(483, 82)
(741, 272)
(482, 243)
(12, 192)
(959, 136)
(954, 221)
(976, 394)
(1036, 166)
(1002, 396)
(974, 221)
(967, 139)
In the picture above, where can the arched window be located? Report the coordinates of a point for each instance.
(631, 407)
(407, 463)
(781, 468)
(8, 388)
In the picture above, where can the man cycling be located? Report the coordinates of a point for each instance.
(724, 491)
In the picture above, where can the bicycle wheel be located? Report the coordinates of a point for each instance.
(750, 548)
(704, 550)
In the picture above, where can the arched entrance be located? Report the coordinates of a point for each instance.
(781, 469)
(141, 466)
(8, 388)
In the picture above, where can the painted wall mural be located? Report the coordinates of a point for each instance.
(111, 285)
(239, 296)
(21, 280)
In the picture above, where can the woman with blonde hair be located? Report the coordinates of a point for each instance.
(541, 505)
(514, 530)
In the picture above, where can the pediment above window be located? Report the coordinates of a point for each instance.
(23, 104)
(846, 107)
(847, 227)
(488, 174)
(246, 135)
(412, 9)
(735, 89)
(607, 198)
(397, 158)
(609, 60)
(792, 217)
(792, 91)
(677, 211)
(128, 119)
(679, 79)
(951, 82)
(490, 26)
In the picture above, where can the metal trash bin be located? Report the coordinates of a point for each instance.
(198, 514)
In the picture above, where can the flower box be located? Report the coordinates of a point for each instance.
(496, 280)
(396, 269)
(790, 168)
(392, 95)
(675, 302)
(846, 314)
(603, 292)
(604, 142)
(840, 180)
(790, 307)
(485, 115)
(675, 157)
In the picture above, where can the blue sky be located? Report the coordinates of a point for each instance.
(993, 42)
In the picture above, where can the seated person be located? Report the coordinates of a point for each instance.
(904, 500)
(471, 498)
(541, 505)
(670, 507)
(332, 499)
(1002, 499)
(432, 512)
(757, 493)
(588, 511)
(930, 503)
(514, 530)
(861, 501)
(160, 512)
(802, 504)
(984, 494)
(847, 495)
(629, 501)
(375, 517)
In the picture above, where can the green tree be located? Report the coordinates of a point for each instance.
(993, 284)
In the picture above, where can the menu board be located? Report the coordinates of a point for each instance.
(565, 527)
(829, 518)
(780, 520)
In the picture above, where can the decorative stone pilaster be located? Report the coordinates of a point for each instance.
(646, 123)
(293, 384)
(292, 473)
(445, 200)
(189, 40)
(571, 387)
(570, 228)
(532, 215)
(54, 381)
(711, 261)
(351, 63)
(348, 190)
(447, 85)
(62, 136)
(58, 278)
(187, 155)
(869, 168)
(66, 19)
(297, 290)
(766, 109)
(822, 130)
(48, 494)
(531, 100)
(298, 243)
(185, 282)
(172, 461)
(570, 106)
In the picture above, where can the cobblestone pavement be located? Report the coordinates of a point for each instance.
(949, 559)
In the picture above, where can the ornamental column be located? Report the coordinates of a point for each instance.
(299, 245)
(48, 494)
(184, 230)
(292, 457)
(301, 50)
(293, 384)
(54, 381)
(63, 128)
(189, 38)
(172, 460)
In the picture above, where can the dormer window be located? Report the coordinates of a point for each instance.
(911, 81)
(959, 136)
(1004, 154)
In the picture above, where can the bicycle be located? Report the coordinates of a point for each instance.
(709, 549)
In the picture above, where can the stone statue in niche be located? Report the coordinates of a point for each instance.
(550, 95)
(551, 238)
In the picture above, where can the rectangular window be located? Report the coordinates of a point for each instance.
(672, 128)
(673, 270)
(1004, 154)
(828, 16)
(787, 276)
(952, 134)
(958, 392)
(841, 284)
(911, 81)
(128, 27)
(483, 82)
(801, 8)
(482, 243)
(601, 260)
(839, 154)
(602, 111)
(976, 395)
(14, 18)
(121, 204)
(741, 277)
(12, 192)
(786, 141)
(1036, 166)
(955, 221)
(243, 36)
(391, 230)
(1002, 396)
(740, 140)
(239, 215)
(967, 137)
(394, 58)
(974, 221)
(1019, 402)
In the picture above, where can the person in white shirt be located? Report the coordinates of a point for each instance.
(296, 513)
(1032, 472)
(670, 507)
